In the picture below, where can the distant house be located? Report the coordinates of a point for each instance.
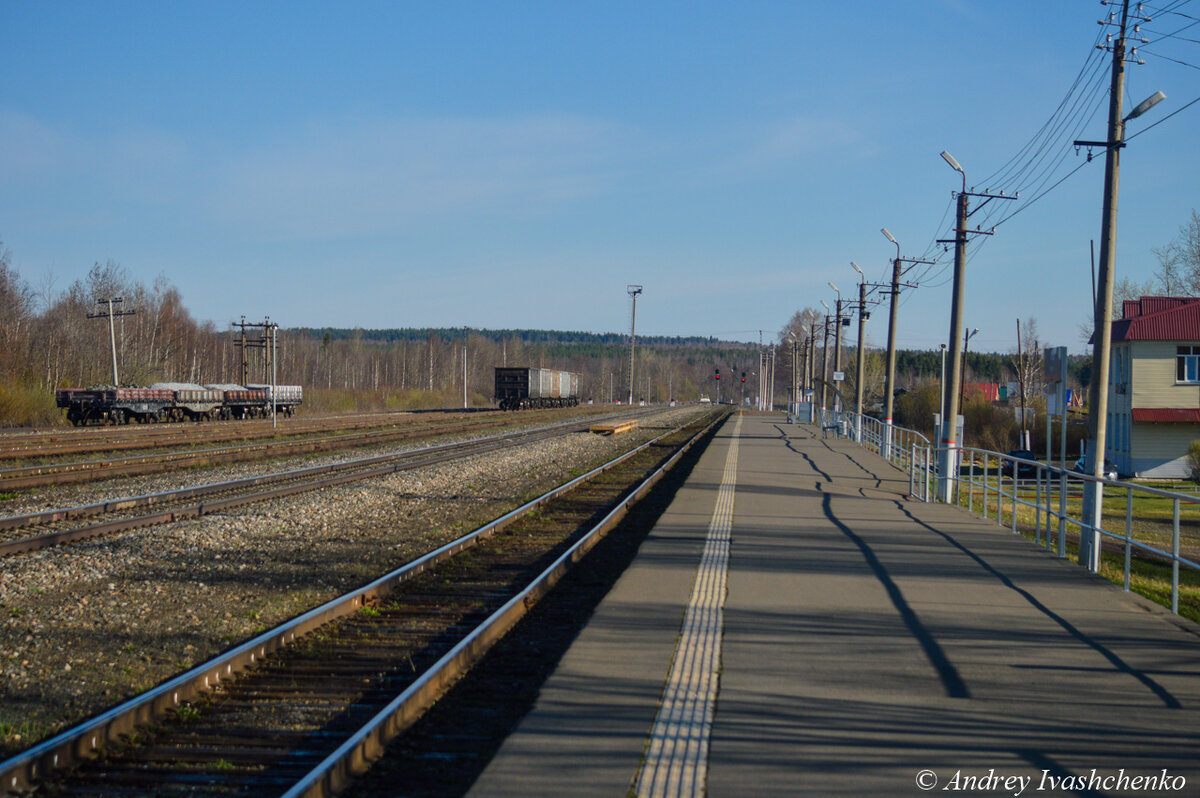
(1154, 386)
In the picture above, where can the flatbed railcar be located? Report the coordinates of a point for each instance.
(173, 401)
(521, 388)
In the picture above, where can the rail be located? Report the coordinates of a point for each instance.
(1045, 499)
(26, 770)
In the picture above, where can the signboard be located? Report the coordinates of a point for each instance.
(1054, 359)
(839, 376)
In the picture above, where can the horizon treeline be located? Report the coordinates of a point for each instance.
(60, 338)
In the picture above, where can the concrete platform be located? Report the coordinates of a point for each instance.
(869, 645)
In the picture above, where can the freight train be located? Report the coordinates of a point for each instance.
(523, 388)
(175, 401)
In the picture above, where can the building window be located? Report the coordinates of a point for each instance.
(1187, 364)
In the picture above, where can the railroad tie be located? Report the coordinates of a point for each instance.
(676, 761)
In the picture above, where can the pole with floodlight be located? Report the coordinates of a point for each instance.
(837, 353)
(1093, 498)
(858, 366)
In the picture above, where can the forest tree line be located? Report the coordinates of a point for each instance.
(60, 338)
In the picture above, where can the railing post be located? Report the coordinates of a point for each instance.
(985, 486)
(1037, 511)
(1062, 514)
(1129, 531)
(971, 486)
(1014, 499)
(912, 474)
(1175, 559)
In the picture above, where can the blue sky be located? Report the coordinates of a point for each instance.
(517, 164)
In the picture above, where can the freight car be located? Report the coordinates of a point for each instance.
(522, 388)
(174, 401)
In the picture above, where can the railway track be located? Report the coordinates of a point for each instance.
(36, 531)
(46, 444)
(24, 477)
(301, 708)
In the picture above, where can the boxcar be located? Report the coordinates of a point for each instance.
(521, 388)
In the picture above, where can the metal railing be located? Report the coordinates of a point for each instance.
(1027, 495)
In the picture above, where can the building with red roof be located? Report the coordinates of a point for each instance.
(1154, 386)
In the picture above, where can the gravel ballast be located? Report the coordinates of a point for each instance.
(85, 626)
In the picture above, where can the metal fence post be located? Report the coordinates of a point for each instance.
(1014, 499)
(1062, 514)
(971, 486)
(1175, 559)
(1128, 532)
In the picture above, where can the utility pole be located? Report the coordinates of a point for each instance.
(1021, 385)
(837, 358)
(967, 336)
(110, 314)
(858, 367)
(824, 365)
(1089, 544)
(948, 445)
(633, 291)
(889, 382)
(771, 384)
(273, 329)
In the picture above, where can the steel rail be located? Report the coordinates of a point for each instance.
(91, 470)
(24, 771)
(302, 480)
(107, 439)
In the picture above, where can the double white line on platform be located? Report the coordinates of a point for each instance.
(677, 758)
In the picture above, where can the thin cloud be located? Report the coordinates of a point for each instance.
(357, 177)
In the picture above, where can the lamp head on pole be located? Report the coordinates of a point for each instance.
(824, 305)
(1145, 105)
(855, 267)
(888, 236)
(835, 289)
(955, 166)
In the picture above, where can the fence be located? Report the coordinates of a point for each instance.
(1045, 499)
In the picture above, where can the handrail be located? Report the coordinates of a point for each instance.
(1006, 483)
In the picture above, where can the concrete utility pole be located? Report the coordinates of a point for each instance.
(889, 382)
(633, 291)
(837, 353)
(948, 446)
(858, 367)
(110, 314)
(1089, 544)
(824, 363)
(771, 383)
(967, 336)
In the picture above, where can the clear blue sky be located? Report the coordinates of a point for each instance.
(516, 164)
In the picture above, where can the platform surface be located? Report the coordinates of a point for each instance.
(869, 645)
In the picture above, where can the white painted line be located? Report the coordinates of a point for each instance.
(677, 756)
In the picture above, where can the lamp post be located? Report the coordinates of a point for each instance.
(837, 352)
(942, 384)
(889, 381)
(858, 366)
(1093, 495)
(948, 443)
(824, 362)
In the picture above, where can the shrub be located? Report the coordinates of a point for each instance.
(1193, 462)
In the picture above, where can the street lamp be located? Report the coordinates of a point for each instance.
(824, 362)
(837, 352)
(1093, 498)
(889, 382)
(948, 442)
(863, 315)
